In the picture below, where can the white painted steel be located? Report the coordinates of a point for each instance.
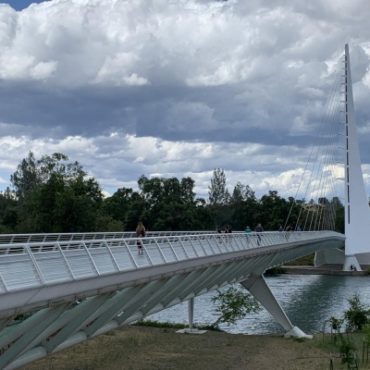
(66, 237)
(357, 211)
(85, 288)
(45, 263)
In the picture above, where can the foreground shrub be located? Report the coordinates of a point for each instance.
(357, 316)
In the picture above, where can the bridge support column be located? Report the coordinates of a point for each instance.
(191, 329)
(260, 290)
(191, 312)
(351, 263)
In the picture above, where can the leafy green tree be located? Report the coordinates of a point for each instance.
(61, 198)
(338, 213)
(169, 203)
(8, 211)
(53, 194)
(219, 199)
(357, 316)
(27, 176)
(273, 210)
(233, 304)
(217, 191)
(244, 207)
(118, 205)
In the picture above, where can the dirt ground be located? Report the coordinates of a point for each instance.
(144, 348)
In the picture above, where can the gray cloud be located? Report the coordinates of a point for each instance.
(222, 75)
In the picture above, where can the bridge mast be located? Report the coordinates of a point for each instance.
(357, 211)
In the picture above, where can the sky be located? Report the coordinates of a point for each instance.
(178, 88)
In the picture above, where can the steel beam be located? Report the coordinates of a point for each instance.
(22, 342)
(259, 289)
(81, 315)
(122, 304)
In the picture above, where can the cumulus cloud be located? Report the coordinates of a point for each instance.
(194, 84)
(118, 160)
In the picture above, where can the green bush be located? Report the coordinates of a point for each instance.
(357, 316)
(347, 352)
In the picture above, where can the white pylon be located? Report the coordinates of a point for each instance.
(357, 211)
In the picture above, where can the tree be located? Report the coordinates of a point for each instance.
(8, 211)
(357, 316)
(169, 203)
(219, 198)
(233, 304)
(273, 210)
(217, 191)
(27, 177)
(244, 207)
(338, 214)
(56, 195)
(119, 205)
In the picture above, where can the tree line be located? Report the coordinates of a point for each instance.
(54, 194)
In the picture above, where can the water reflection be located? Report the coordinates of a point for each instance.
(309, 300)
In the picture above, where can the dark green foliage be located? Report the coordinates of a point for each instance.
(347, 351)
(53, 194)
(357, 316)
(8, 211)
(335, 324)
(366, 331)
(170, 325)
(335, 327)
(274, 209)
(275, 271)
(27, 176)
(217, 191)
(233, 304)
(219, 199)
(157, 324)
(170, 204)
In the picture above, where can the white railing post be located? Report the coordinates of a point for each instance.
(146, 252)
(35, 265)
(130, 254)
(3, 283)
(111, 255)
(66, 261)
(160, 251)
(183, 247)
(211, 247)
(201, 245)
(173, 250)
(192, 245)
(91, 259)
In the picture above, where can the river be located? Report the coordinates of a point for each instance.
(308, 300)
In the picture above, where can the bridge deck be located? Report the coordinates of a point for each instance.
(36, 264)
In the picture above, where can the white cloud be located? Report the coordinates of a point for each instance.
(130, 157)
(141, 42)
(178, 87)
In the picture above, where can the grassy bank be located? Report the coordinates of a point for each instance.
(142, 348)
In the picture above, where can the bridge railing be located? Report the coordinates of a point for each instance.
(26, 265)
(66, 237)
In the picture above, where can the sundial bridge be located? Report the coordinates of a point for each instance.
(58, 290)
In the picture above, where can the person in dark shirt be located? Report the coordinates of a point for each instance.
(259, 229)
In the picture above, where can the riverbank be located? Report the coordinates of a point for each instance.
(335, 270)
(146, 348)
